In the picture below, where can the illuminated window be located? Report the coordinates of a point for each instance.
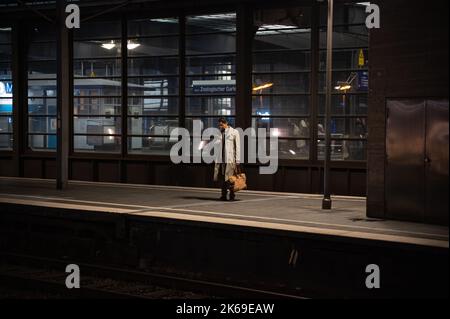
(97, 88)
(210, 69)
(281, 77)
(350, 84)
(6, 93)
(41, 93)
(153, 85)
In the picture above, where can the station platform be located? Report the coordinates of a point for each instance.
(264, 240)
(281, 211)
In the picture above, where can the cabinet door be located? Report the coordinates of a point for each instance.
(436, 162)
(405, 151)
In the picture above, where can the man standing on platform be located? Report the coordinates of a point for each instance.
(228, 160)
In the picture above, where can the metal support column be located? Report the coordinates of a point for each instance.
(326, 202)
(124, 106)
(63, 98)
(17, 103)
(244, 66)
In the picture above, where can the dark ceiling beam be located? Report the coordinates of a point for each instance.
(37, 12)
(123, 4)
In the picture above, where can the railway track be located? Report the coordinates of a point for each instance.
(98, 281)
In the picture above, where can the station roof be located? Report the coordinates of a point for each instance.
(52, 3)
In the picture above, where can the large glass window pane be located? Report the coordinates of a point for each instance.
(6, 90)
(349, 13)
(5, 52)
(97, 125)
(97, 106)
(293, 149)
(98, 30)
(42, 51)
(212, 33)
(281, 83)
(219, 22)
(151, 145)
(347, 127)
(206, 122)
(216, 64)
(281, 77)
(153, 86)
(6, 96)
(42, 124)
(97, 102)
(346, 81)
(282, 61)
(5, 35)
(211, 69)
(157, 46)
(156, 106)
(217, 106)
(38, 142)
(282, 29)
(151, 125)
(97, 49)
(42, 33)
(6, 142)
(97, 68)
(278, 41)
(290, 149)
(210, 43)
(345, 104)
(294, 105)
(152, 27)
(283, 127)
(350, 84)
(354, 36)
(42, 70)
(97, 144)
(344, 59)
(97, 87)
(42, 88)
(41, 106)
(6, 101)
(5, 71)
(153, 66)
(344, 150)
(5, 124)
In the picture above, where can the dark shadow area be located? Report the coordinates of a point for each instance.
(366, 220)
(206, 198)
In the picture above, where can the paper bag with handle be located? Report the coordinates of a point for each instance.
(238, 180)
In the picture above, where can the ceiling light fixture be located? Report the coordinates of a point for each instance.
(109, 46)
(132, 46)
(262, 87)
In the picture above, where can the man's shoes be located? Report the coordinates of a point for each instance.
(223, 198)
(232, 197)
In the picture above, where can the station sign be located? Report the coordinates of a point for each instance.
(214, 86)
(363, 80)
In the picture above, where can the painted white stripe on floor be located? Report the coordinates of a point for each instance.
(211, 202)
(183, 188)
(266, 225)
(148, 209)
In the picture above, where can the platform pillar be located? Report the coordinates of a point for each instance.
(63, 98)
